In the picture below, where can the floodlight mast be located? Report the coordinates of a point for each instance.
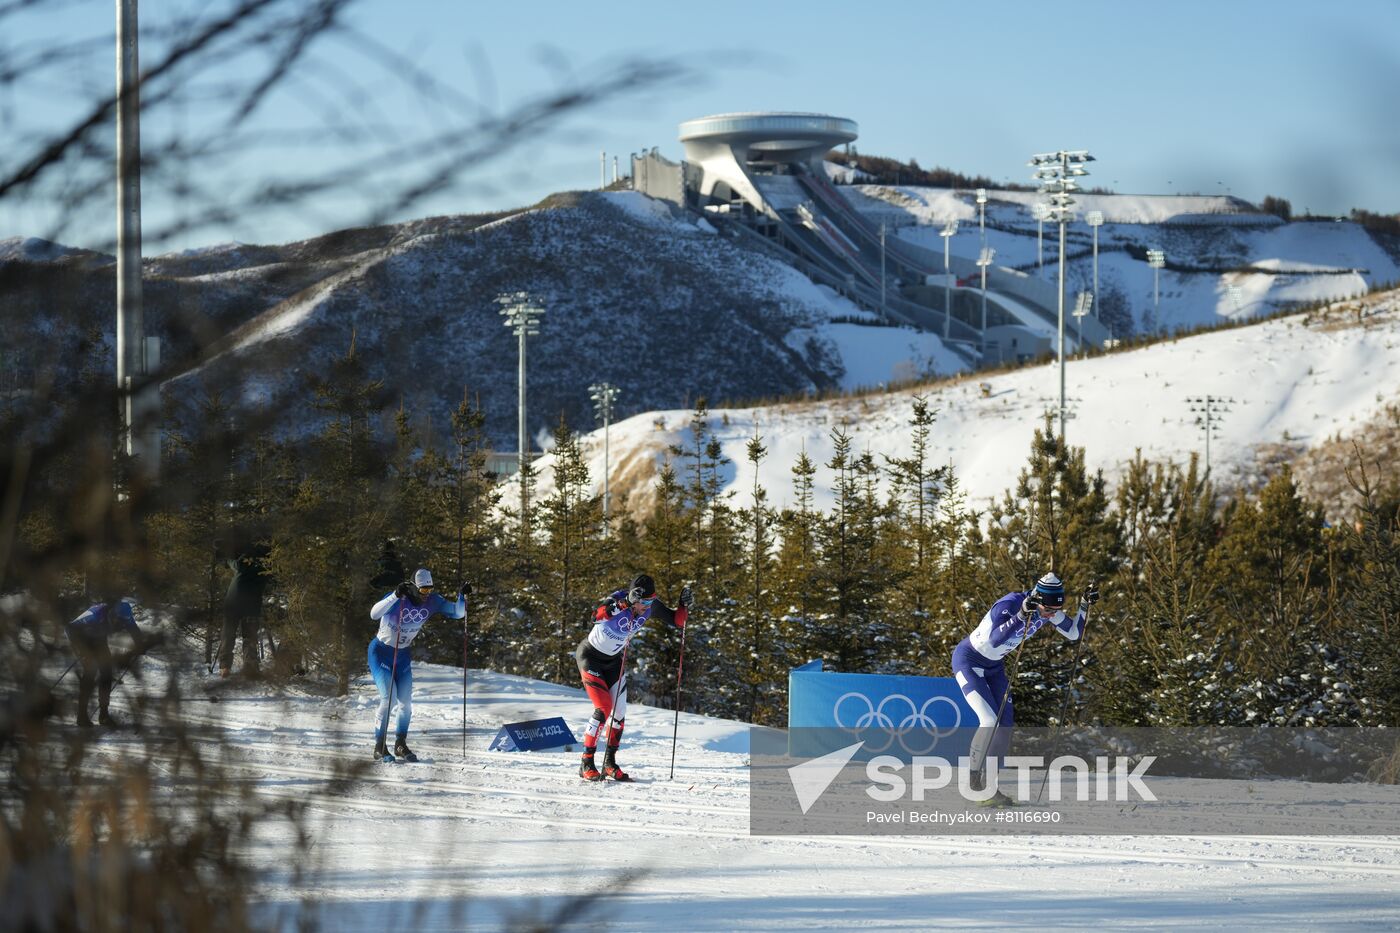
(1209, 410)
(1157, 259)
(984, 259)
(1056, 172)
(522, 316)
(949, 231)
(1095, 220)
(603, 395)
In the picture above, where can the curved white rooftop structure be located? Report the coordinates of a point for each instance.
(725, 145)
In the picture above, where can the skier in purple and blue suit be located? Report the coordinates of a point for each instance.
(401, 616)
(980, 669)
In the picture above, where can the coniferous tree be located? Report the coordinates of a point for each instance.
(762, 699)
(797, 562)
(851, 582)
(917, 539)
(574, 558)
(324, 551)
(1276, 610)
(1372, 597)
(1056, 519)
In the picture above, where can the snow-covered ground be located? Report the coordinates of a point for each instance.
(1290, 381)
(481, 839)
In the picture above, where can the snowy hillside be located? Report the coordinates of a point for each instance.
(1300, 379)
(1210, 243)
(489, 838)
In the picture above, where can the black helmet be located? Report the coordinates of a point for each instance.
(645, 583)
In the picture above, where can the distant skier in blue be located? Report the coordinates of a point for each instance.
(87, 635)
(980, 670)
(401, 616)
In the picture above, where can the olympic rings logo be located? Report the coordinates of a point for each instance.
(411, 616)
(876, 717)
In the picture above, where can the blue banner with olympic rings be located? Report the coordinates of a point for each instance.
(900, 716)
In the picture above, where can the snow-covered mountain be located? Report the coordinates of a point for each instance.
(1296, 381)
(636, 293)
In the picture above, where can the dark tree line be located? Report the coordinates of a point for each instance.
(1250, 612)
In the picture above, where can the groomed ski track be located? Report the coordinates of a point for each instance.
(493, 838)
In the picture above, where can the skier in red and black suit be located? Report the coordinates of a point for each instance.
(601, 657)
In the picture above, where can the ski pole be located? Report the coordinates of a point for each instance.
(393, 676)
(617, 691)
(64, 674)
(1011, 675)
(1064, 707)
(464, 675)
(675, 726)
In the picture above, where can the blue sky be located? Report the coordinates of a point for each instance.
(1286, 98)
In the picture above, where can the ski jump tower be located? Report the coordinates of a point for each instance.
(729, 147)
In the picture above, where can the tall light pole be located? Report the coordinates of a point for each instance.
(1208, 410)
(1040, 211)
(1056, 172)
(982, 218)
(131, 325)
(947, 233)
(1082, 304)
(523, 318)
(884, 312)
(1236, 298)
(984, 259)
(1158, 261)
(1095, 220)
(603, 395)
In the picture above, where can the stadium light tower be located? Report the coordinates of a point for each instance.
(603, 395)
(982, 218)
(1095, 220)
(1040, 211)
(984, 259)
(1158, 261)
(947, 233)
(1056, 172)
(1236, 298)
(1082, 304)
(1208, 410)
(884, 311)
(522, 317)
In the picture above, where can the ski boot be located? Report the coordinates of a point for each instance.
(105, 718)
(588, 770)
(402, 752)
(381, 753)
(998, 800)
(611, 769)
(84, 722)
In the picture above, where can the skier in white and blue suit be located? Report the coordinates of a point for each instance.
(401, 616)
(978, 662)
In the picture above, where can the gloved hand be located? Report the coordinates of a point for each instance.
(687, 597)
(635, 595)
(1030, 604)
(403, 589)
(1091, 594)
(465, 589)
